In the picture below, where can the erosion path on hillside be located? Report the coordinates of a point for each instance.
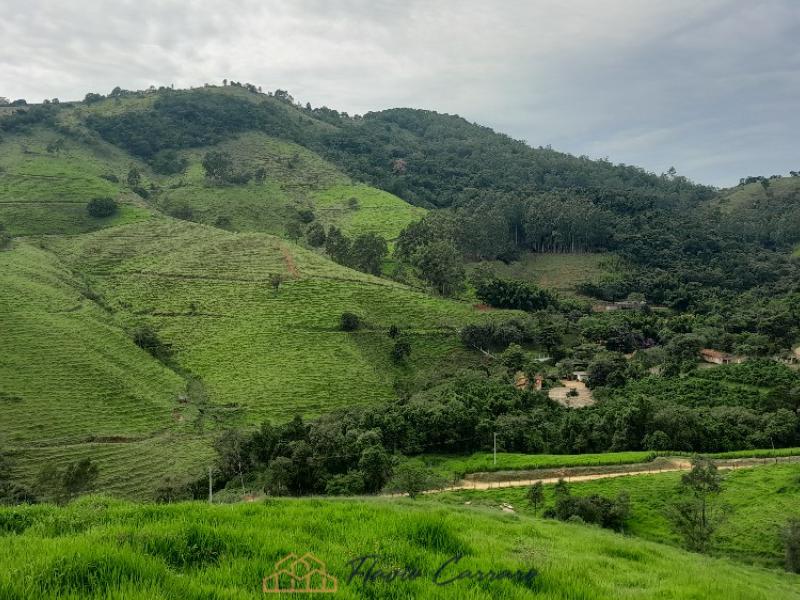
(496, 480)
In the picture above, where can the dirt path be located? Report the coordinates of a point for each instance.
(289, 260)
(575, 474)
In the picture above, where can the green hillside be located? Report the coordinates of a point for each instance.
(76, 385)
(98, 548)
(759, 501)
(46, 192)
(296, 179)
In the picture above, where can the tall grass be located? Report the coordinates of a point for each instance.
(99, 548)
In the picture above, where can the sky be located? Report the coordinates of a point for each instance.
(710, 87)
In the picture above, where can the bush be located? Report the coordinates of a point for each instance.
(147, 339)
(595, 509)
(401, 350)
(101, 207)
(791, 544)
(349, 321)
(5, 238)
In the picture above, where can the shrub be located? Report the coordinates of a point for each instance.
(147, 339)
(347, 484)
(101, 207)
(183, 212)
(5, 238)
(595, 509)
(791, 544)
(349, 321)
(401, 350)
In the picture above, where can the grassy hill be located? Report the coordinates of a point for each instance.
(760, 500)
(98, 548)
(76, 385)
(297, 179)
(46, 192)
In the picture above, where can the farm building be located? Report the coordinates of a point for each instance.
(720, 358)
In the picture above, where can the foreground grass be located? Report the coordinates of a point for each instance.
(760, 500)
(99, 548)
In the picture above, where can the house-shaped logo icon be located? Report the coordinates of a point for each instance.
(304, 574)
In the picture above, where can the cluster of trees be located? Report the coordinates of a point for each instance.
(594, 509)
(356, 450)
(365, 252)
(53, 484)
(101, 207)
(219, 167)
(514, 294)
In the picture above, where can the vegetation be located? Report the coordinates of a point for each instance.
(96, 547)
(759, 501)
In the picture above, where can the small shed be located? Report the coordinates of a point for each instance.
(720, 358)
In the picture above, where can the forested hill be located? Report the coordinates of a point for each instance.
(426, 158)
(437, 160)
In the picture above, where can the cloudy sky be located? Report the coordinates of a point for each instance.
(709, 86)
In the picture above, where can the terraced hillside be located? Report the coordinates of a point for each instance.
(296, 180)
(46, 191)
(272, 353)
(76, 385)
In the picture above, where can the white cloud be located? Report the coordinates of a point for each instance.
(645, 83)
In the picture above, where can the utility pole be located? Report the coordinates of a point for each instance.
(495, 449)
(210, 488)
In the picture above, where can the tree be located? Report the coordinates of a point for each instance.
(338, 246)
(349, 321)
(514, 358)
(218, 165)
(146, 338)
(315, 234)
(79, 476)
(92, 97)
(439, 263)
(55, 146)
(536, 495)
(375, 465)
(294, 230)
(101, 207)
(134, 177)
(791, 545)
(233, 459)
(411, 477)
(696, 515)
(260, 175)
(5, 237)
(367, 253)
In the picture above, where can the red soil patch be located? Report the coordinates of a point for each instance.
(482, 307)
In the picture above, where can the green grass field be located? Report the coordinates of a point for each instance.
(99, 548)
(481, 462)
(760, 501)
(559, 272)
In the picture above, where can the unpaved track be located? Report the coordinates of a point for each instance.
(575, 474)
